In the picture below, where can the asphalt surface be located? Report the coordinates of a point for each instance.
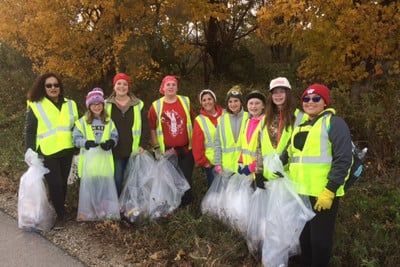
(20, 248)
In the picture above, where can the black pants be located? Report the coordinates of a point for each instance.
(316, 239)
(186, 164)
(57, 179)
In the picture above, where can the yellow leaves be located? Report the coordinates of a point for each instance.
(336, 36)
(179, 255)
(158, 255)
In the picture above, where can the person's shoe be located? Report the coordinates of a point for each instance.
(59, 224)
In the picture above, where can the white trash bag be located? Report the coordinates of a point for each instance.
(237, 201)
(98, 199)
(35, 213)
(135, 195)
(167, 188)
(287, 213)
(213, 201)
(256, 227)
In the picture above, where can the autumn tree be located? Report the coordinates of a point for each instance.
(78, 38)
(90, 41)
(342, 41)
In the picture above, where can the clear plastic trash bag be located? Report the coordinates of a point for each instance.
(35, 213)
(135, 195)
(98, 199)
(237, 200)
(167, 188)
(257, 214)
(213, 201)
(287, 213)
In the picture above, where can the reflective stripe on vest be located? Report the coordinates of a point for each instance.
(136, 126)
(87, 132)
(249, 148)
(209, 130)
(310, 167)
(230, 150)
(266, 144)
(54, 130)
(158, 105)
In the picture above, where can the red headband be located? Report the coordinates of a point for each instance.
(166, 79)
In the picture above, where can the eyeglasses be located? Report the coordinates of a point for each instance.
(50, 85)
(314, 99)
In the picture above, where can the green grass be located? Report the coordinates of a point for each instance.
(367, 228)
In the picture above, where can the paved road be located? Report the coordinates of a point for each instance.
(19, 248)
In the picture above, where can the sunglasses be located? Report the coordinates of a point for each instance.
(50, 85)
(314, 99)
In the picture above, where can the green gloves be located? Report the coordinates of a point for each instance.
(324, 200)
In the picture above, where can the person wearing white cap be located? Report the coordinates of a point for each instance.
(280, 117)
(204, 131)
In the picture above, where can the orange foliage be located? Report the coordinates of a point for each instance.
(342, 41)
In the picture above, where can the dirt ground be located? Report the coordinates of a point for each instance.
(79, 239)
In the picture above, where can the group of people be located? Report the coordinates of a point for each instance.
(313, 143)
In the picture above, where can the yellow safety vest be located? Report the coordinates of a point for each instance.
(137, 124)
(249, 148)
(87, 132)
(209, 130)
(54, 129)
(310, 167)
(158, 106)
(266, 145)
(230, 150)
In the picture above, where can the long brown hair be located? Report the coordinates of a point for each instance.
(90, 117)
(38, 91)
(288, 111)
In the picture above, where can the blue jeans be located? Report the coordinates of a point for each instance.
(119, 169)
(210, 175)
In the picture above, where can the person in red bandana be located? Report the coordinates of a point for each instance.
(170, 120)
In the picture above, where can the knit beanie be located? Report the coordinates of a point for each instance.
(280, 82)
(207, 91)
(122, 76)
(166, 79)
(320, 90)
(235, 92)
(95, 96)
(256, 94)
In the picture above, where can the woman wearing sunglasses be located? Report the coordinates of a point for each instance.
(319, 157)
(49, 122)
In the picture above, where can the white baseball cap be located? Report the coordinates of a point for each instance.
(279, 82)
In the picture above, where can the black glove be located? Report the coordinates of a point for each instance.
(260, 180)
(107, 145)
(279, 174)
(89, 144)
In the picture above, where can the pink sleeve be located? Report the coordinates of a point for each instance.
(252, 166)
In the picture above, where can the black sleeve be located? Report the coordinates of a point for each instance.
(145, 135)
(30, 129)
(284, 157)
(340, 137)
